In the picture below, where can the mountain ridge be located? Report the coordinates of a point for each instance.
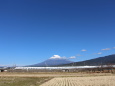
(52, 62)
(110, 59)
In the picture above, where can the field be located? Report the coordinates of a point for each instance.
(57, 79)
(82, 81)
(22, 81)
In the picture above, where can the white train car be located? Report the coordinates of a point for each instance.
(67, 67)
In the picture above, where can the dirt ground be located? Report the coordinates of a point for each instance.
(54, 74)
(58, 79)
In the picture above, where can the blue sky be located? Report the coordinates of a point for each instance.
(32, 31)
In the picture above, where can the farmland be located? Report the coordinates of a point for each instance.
(22, 81)
(56, 79)
(82, 81)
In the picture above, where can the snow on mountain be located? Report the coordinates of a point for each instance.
(53, 61)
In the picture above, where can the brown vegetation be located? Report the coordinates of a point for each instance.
(82, 81)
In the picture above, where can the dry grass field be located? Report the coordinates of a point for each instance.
(57, 79)
(82, 81)
(51, 74)
(22, 81)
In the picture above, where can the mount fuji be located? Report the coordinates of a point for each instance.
(53, 61)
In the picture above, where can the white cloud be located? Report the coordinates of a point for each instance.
(113, 47)
(78, 55)
(83, 50)
(106, 49)
(72, 57)
(56, 57)
(99, 53)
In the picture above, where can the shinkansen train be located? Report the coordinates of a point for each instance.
(67, 67)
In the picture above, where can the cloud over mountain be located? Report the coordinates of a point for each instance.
(83, 50)
(106, 49)
(72, 57)
(57, 57)
(99, 53)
